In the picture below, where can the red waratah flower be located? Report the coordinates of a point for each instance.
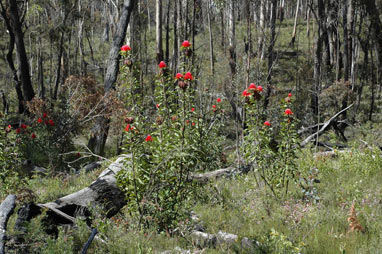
(260, 88)
(192, 109)
(162, 65)
(9, 126)
(125, 48)
(33, 135)
(179, 76)
(193, 124)
(267, 123)
(289, 95)
(214, 106)
(288, 111)
(218, 100)
(252, 86)
(45, 115)
(39, 120)
(158, 105)
(51, 123)
(18, 130)
(23, 126)
(149, 138)
(186, 44)
(246, 93)
(188, 76)
(127, 128)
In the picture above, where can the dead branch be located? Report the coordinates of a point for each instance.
(324, 127)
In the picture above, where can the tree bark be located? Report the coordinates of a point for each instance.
(212, 60)
(100, 130)
(270, 53)
(23, 65)
(158, 21)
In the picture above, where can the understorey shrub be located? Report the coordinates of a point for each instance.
(178, 139)
(270, 147)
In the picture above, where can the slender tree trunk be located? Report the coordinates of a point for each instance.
(231, 37)
(158, 26)
(295, 24)
(100, 130)
(318, 59)
(263, 11)
(212, 57)
(168, 31)
(176, 47)
(270, 52)
(22, 59)
(58, 74)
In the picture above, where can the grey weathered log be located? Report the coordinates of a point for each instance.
(103, 192)
(203, 240)
(205, 177)
(6, 210)
(324, 127)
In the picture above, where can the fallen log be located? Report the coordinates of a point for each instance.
(203, 240)
(324, 127)
(6, 210)
(103, 192)
(205, 177)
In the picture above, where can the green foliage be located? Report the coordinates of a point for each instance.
(181, 141)
(273, 157)
(278, 243)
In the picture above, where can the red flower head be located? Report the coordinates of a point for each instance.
(149, 138)
(192, 109)
(39, 120)
(162, 65)
(289, 95)
(218, 100)
(125, 48)
(246, 93)
(288, 111)
(179, 76)
(158, 105)
(23, 126)
(187, 121)
(267, 123)
(45, 115)
(33, 135)
(188, 76)
(193, 124)
(214, 106)
(186, 44)
(18, 130)
(260, 88)
(127, 128)
(51, 123)
(252, 86)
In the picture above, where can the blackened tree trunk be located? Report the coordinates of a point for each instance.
(23, 65)
(11, 64)
(100, 130)
(318, 57)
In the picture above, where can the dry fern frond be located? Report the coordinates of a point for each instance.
(354, 225)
